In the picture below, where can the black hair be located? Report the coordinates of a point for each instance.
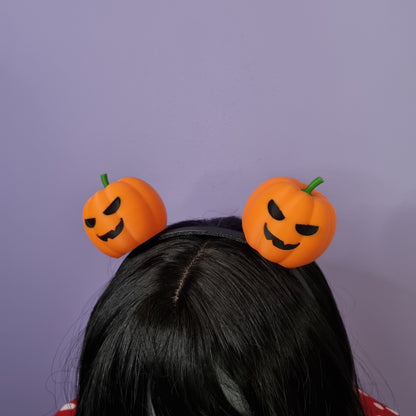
(203, 325)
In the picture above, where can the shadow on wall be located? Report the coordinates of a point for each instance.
(377, 314)
(61, 382)
(396, 244)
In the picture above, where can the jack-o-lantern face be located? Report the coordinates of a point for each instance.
(288, 222)
(123, 215)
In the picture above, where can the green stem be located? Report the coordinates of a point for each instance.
(104, 180)
(317, 181)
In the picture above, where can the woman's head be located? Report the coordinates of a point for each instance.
(203, 325)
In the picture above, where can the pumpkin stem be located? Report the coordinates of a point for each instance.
(104, 180)
(317, 181)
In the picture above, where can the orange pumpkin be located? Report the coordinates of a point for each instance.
(288, 222)
(123, 215)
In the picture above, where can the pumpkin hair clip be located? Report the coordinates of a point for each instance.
(286, 221)
(123, 215)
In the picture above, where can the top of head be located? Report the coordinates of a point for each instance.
(177, 232)
(217, 229)
(196, 301)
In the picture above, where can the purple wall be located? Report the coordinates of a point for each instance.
(204, 100)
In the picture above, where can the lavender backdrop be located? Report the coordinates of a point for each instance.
(205, 100)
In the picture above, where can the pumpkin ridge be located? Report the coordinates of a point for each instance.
(152, 194)
(131, 189)
(151, 216)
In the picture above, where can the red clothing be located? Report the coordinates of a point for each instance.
(371, 407)
(68, 410)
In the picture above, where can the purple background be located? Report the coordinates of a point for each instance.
(204, 100)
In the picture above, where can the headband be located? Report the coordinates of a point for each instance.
(286, 221)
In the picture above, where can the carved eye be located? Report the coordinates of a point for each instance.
(274, 211)
(90, 222)
(113, 207)
(307, 229)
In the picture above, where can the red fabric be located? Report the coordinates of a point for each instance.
(68, 410)
(371, 407)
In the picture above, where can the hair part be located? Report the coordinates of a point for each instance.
(203, 325)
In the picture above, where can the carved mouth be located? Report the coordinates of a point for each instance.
(276, 241)
(113, 233)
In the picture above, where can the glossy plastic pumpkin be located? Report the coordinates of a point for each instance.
(288, 222)
(123, 215)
